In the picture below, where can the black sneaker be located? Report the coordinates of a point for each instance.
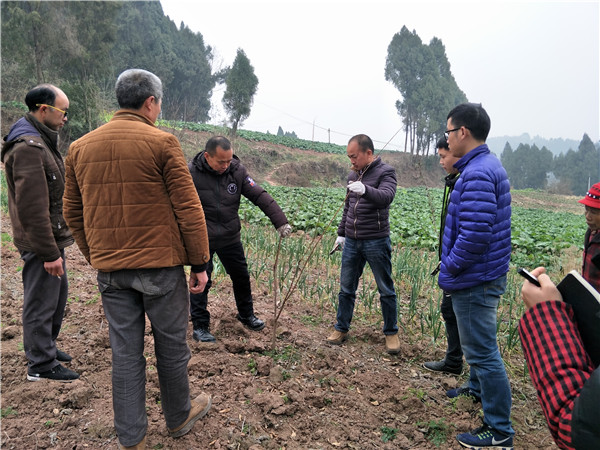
(203, 335)
(441, 366)
(252, 322)
(58, 373)
(62, 356)
(463, 391)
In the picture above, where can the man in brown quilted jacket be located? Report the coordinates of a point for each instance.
(133, 210)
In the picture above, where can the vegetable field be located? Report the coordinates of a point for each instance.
(538, 236)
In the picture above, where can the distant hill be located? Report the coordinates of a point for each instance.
(556, 146)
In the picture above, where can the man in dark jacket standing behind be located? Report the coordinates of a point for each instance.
(221, 180)
(364, 236)
(35, 175)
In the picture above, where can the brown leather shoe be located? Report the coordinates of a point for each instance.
(392, 344)
(139, 446)
(337, 337)
(200, 406)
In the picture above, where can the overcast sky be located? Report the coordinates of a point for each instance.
(320, 63)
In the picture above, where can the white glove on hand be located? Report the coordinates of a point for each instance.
(339, 245)
(357, 187)
(285, 230)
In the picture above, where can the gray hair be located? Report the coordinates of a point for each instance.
(134, 86)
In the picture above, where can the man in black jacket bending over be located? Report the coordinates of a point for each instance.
(221, 180)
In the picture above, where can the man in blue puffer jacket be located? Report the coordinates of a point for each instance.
(476, 252)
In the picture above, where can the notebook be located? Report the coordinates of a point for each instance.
(585, 301)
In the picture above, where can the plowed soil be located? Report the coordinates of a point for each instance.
(304, 394)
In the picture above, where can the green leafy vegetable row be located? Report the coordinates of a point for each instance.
(537, 235)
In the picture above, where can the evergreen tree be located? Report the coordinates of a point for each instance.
(27, 36)
(579, 169)
(149, 40)
(527, 167)
(83, 46)
(70, 44)
(421, 73)
(88, 31)
(242, 84)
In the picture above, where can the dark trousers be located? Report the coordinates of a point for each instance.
(234, 261)
(454, 354)
(585, 432)
(128, 296)
(44, 301)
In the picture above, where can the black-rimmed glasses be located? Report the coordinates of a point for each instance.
(447, 132)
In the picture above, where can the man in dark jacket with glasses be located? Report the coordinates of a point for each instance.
(35, 176)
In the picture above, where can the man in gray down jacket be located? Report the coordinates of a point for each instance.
(221, 180)
(476, 250)
(35, 175)
(364, 236)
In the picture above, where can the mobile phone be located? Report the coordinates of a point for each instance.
(528, 276)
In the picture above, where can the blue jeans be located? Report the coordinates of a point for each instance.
(356, 253)
(476, 311)
(127, 297)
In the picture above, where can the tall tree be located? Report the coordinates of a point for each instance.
(190, 90)
(149, 40)
(580, 168)
(63, 43)
(26, 35)
(422, 75)
(528, 166)
(83, 46)
(88, 31)
(242, 84)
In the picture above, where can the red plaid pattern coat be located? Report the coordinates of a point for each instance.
(590, 269)
(557, 362)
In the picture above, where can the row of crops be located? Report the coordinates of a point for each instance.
(538, 236)
(286, 141)
(305, 266)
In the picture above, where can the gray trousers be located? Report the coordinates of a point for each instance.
(127, 297)
(44, 300)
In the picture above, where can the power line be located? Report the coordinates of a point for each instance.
(328, 130)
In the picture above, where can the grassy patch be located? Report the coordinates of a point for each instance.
(436, 431)
(286, 355)
(253, 366)
(388, 434)
(8, 411)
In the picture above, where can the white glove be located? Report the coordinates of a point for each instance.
(285, 230)
(357, 187)
(339, 245)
